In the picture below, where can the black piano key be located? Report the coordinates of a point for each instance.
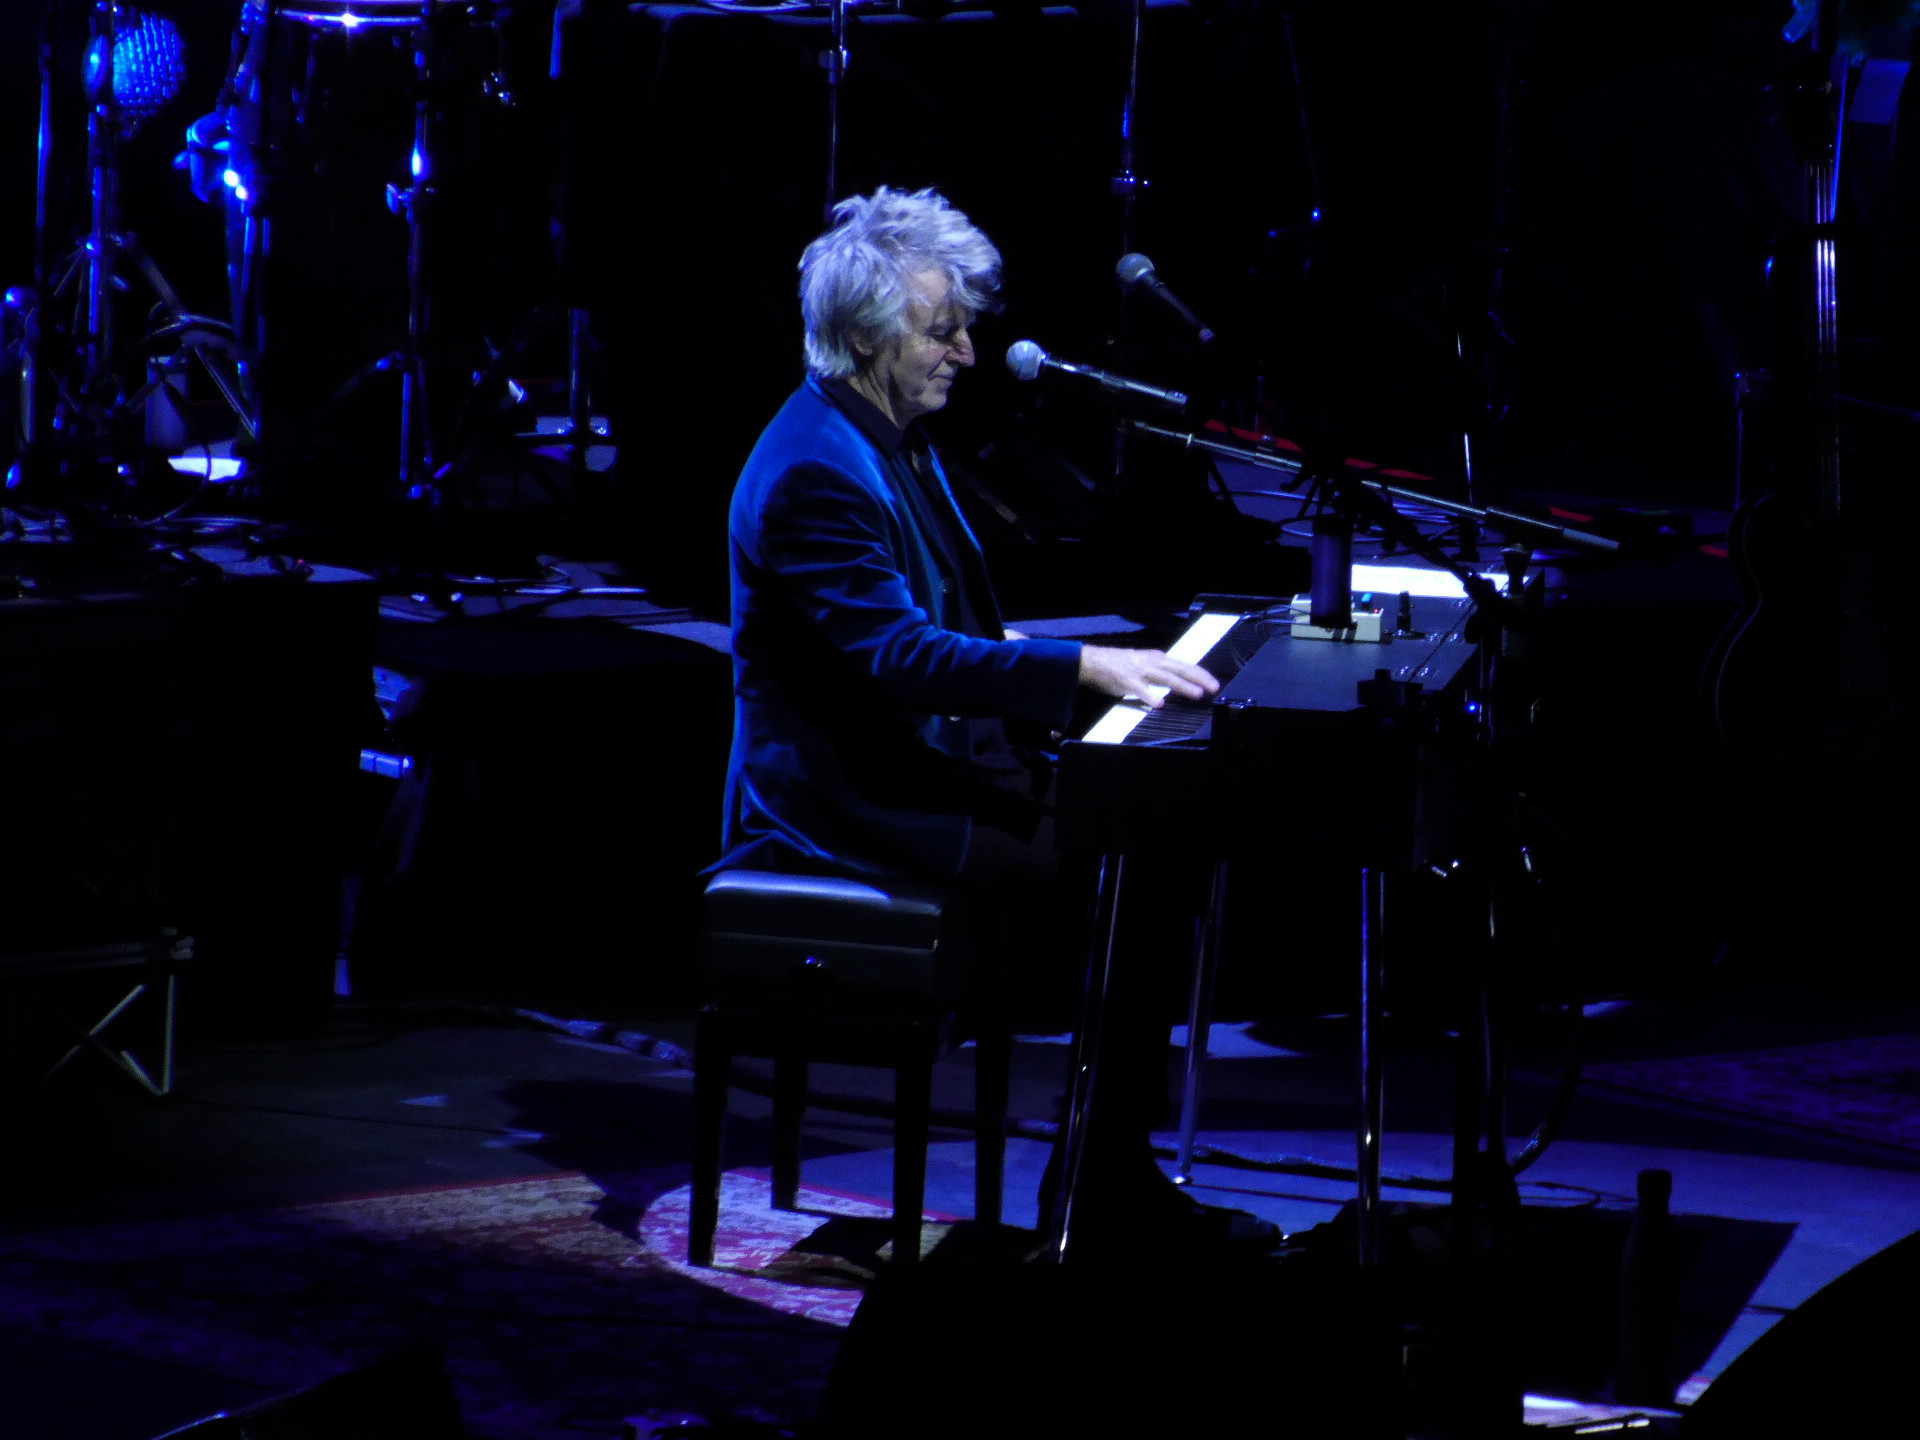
(1176, 720)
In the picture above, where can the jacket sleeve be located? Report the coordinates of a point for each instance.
(828, 540)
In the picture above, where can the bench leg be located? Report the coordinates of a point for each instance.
(789, 1109)
(913, 1100)
(992, 1057)
(712, 1067)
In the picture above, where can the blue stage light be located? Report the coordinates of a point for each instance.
(142, 66)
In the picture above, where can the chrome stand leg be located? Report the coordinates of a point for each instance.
(166, 1038)
(1206, 964)
(1371, 1108)
(1086, 1052)
(579, 389)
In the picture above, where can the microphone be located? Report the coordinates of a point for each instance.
(1136, 272)
(1026, 359)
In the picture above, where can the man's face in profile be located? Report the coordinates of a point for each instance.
(915, 370)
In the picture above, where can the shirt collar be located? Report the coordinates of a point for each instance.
(874, 424)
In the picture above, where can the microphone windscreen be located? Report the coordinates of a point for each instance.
(1024, 359)
(1132, 269)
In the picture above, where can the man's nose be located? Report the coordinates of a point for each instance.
(962, 348)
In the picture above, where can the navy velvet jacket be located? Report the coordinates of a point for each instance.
(851, 743)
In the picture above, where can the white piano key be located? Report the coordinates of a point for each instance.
(1201, 636)
(1192, 646)
(1114, 726)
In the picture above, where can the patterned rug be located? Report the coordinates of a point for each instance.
(760, 1254)
(1865, 1089)
(564, 1304)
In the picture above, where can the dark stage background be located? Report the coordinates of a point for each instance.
(1621, 235)
(1604, 278)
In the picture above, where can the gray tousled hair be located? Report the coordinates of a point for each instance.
(855, 280)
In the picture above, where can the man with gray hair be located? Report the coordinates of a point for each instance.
(874, 680)
(874, 677)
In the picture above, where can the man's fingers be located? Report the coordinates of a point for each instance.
(1201, 677)
(1179, 685)
(1186, 689)
(1186, 680)
(1146, 677)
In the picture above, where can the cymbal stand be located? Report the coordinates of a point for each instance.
(31, 391)
(836, 63)
(101, 247)
(255, 195)
(1127, 185)
(414, 203)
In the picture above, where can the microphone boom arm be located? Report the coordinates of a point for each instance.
(1026, 360)
(1493, 515)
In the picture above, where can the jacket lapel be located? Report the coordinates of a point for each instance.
(973, 561)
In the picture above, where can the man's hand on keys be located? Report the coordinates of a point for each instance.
(1143, 675)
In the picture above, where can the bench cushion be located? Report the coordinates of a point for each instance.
(883, 937)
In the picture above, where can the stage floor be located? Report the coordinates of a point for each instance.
(517, 1195)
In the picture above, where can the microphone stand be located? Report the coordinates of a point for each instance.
(1507, 632)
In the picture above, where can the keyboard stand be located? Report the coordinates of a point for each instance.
(1084, 1069)
(1206, 968)
(1090, 1023)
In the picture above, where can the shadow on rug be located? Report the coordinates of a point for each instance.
(554, 1315)
(1863, 1089)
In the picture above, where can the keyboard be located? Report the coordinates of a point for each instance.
(1286, 761)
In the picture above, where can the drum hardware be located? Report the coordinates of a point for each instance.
(312, 76)
(83, 427)
(423, 477)
(235, 158)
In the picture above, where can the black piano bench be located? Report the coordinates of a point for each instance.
(857, 972)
